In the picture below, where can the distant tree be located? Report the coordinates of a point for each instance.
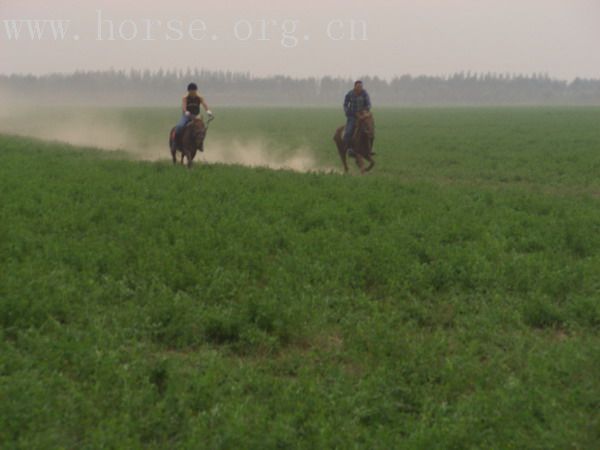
(164, 87)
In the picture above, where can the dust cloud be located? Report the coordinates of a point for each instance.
(257, 153)
(81, 133)
(100, 132)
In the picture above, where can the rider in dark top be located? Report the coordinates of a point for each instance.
(190, 105)
(356, 101)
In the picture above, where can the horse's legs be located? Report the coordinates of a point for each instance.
(344, 160)
(343, 157)
(360, 163)
(371, 163)
(190, 159)
(339, 142)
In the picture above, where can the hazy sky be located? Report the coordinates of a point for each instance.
(304, 38)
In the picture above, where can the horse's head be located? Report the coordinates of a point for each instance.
(366, 123)
(198, 132)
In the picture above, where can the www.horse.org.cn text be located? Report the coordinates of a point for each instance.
(288, 33)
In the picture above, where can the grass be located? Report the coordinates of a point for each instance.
(450, 300)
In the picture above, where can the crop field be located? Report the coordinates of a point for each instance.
(449, 299)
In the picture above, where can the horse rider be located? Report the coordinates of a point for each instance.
(190, 106)
(356, 102)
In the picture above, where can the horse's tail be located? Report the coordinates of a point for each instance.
(171, 138)
(337, 137)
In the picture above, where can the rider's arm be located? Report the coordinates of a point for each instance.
(347, 103)
(206, 108)
(367, 101)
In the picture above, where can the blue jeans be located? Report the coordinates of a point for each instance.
(350, 125)
(182, 123)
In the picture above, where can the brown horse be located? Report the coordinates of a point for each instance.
(362, 142)
(191, 140)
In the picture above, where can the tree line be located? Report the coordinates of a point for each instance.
(165, 87)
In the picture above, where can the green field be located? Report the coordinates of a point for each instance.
(449, 299)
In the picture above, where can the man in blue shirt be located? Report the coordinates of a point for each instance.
(356, 101)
